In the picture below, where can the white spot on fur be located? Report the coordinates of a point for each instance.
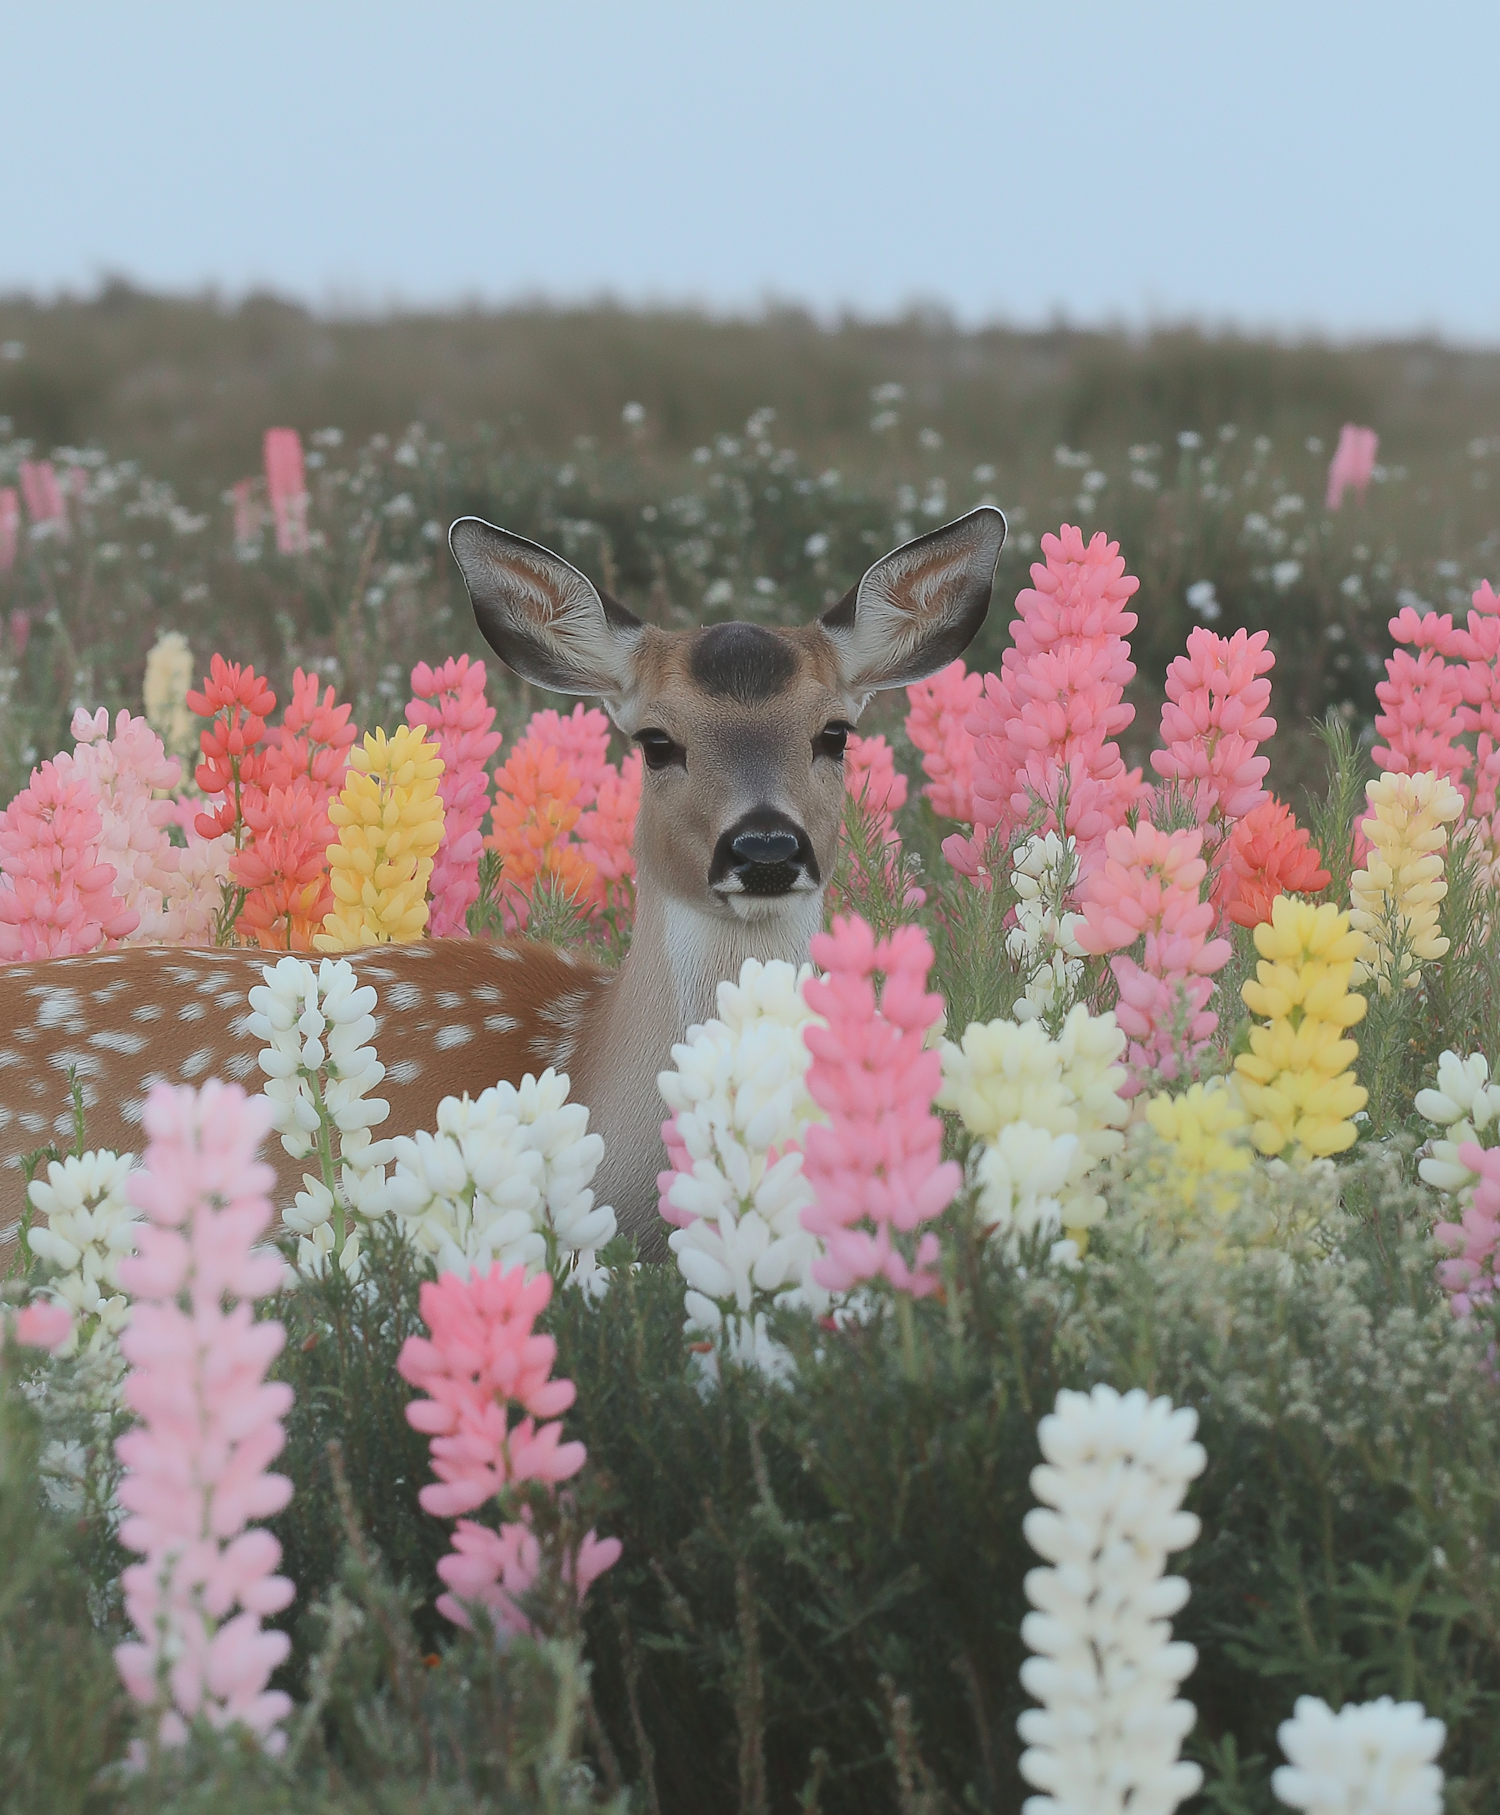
(118, 1039)
(501, 1024)
(487, 992)
(448, 1037)
(240, 1064)
(146, 1011)
(197, 1062)
(405, 1071)
(404, 995)
(449, 998)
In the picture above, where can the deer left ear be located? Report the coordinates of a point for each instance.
(920, 606)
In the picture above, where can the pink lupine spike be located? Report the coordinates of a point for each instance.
(483, 1361)
(286, 487)
(1212, 724)
(10, 526)
(195, 1466)
(44, 498)
(1421, 699)
(937, 724)
(1353, 464)
(57, 895)
(876, 1166)
(451, 702)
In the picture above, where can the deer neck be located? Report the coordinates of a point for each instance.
(668, 983)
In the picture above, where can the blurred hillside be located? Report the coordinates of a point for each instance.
(187, 385)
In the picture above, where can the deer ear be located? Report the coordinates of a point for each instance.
(540, 615)
(919, 606)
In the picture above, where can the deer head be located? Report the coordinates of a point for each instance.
(741, 727)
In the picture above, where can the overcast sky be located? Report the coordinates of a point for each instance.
(1297, 164)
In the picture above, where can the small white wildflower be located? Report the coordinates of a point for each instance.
(90, 1228)
(1285, 574)
(1371, 1758)
(1203, 597)
(1105, 1668)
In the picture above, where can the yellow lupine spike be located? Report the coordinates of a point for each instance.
(1297, 1082)
(390, 824)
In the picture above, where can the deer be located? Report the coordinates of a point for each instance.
(742, 729)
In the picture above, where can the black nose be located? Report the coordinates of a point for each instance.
(764, 852)
(764, 847)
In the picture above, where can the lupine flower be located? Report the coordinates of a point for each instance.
(1371, 1758)
(1297, 1081)
(1466, 1106)
(10, 526)
(1395, 898)
(580, 740)
(43, 1324)
(506, 1179)
(534, 813)
(320, 1068)
(236, 701)
(1008, 1074)
(286, 487)
(169, 675)
(390, 824)
(1024, 1177)
(1045, 725)
(1105, 1668)
(19, 626)
(1353, 463)
(195, 1467)
(1213, 723)
(1204, 1129)
(1044, 875)
(735, 1187)
(45, 503)
(1421, 699)
(91, 1227)
(247, 514)
(1473, 1243)
(484, 1361)
(56, 895)
(313, 740)
(1148, 890)
(606, 831)
(284, 867)
(1269, 855)
(875, 1166)
(1479, 715)
(130, 772)
(937, 724)
(450, 702)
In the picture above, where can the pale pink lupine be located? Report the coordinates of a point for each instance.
(1469, 1274)
(1421, 699)
(246, 508)
(606, 830)
(1478, 644)
(1353, 464)
(43, 1324)
(10, 526)
(286, 487)
(580, 738)
(937, 724)
(196, 1465)
(20, 632)
(1147, 894)
(129, 772)
(484, 1360)
(57, 897)
(451, 703)
(876, 1165)
(44, 498)
(1213, 723)
(1044, 726)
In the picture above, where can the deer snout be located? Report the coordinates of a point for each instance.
(765, 853)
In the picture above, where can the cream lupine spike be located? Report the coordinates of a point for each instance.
(390, 823)
(90, 1228)
(169, 675)
(1395, 898)
(1204, 1130)
(1371, 1758)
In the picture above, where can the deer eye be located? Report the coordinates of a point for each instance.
(660, 751)
(831, 740)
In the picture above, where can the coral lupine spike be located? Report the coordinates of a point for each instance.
(195, 1467)
(1269, 855)
(876, 1166)
(450, 701)
(236, 701)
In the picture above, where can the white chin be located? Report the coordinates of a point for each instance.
(763, 907)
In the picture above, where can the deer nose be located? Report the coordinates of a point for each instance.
(764, 847)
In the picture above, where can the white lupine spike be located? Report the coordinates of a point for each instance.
(1105, 1667)
(1466, 1107)
(1022, 1177)
(1044, 940)
(1371, 1758)
(506, 1177)
(90, 1228)
(317, 1022)
(738, 1092)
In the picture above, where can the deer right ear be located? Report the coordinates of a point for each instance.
(540, 615)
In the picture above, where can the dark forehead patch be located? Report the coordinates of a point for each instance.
(741, 660)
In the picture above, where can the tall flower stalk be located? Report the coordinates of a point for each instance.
(1108, 1733)
(195, 1468)
(1371, 1758)
(389, 817)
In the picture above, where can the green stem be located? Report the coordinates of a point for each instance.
(325, 1157)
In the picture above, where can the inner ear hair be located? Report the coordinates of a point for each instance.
(919, 607)
(540, 615)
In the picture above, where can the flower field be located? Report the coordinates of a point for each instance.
(1116, 1192)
